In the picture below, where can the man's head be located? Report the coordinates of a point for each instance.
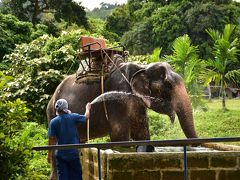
(61, 106)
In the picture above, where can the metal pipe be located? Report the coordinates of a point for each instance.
(99, 164)
(179, 142)
(185, 162)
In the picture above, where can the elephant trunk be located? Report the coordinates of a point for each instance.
(184, 112)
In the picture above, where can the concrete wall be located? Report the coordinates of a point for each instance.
(218, 165)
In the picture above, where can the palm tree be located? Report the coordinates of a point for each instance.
(186, 62)
(225, 53)
(154, 57)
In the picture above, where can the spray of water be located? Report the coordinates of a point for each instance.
(112, 96)
(122, 96)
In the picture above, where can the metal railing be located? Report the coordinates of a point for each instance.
(179, 142)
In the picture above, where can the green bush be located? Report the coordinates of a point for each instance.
(38, 167)
(17, 137)
(38, 67)
(12, 32)
(14, 150)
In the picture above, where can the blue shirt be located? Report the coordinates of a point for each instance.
(64, 128)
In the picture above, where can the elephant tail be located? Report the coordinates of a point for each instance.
(112, 96)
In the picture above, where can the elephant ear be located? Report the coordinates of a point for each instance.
(162, 72)
(140, 83)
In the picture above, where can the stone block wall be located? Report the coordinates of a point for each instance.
(216, 165)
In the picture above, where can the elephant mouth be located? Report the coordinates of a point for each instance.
(162, 106)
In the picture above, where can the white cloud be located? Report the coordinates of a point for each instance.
(91, 4)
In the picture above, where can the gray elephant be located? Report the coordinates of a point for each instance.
(157, 87)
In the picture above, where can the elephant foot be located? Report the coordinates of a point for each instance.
(148, 148)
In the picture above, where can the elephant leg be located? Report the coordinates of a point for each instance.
(119, 131)
(140, 131)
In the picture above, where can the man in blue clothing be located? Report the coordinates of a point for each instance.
(63, 130)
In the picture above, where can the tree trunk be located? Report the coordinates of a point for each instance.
(209, 93)
(223, 92)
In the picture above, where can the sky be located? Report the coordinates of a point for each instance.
(91, 4)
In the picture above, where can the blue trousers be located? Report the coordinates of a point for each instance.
(69, 169)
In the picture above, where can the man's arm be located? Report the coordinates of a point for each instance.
(52, 140)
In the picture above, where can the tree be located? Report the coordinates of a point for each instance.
(70, 11)
(119, 21)
(204, 15)
(103, 11)
(13, 32)
(26, 10)
(224, 54)
(13, 152)
(17, 137)
(186, 62)
(173, 18)
(139, 40)
(168, 24)
(32, 10)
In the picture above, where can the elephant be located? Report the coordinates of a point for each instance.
(155, 86)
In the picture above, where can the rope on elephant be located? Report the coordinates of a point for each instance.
(116, 67)
(88, 124)
(102, 88)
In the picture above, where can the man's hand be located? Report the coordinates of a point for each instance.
(51, 141)
(49, 158)
(88, 106)
(87, 112)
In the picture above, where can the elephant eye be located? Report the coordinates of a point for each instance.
(156, 85)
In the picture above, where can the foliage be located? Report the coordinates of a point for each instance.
(32, 10)
(102, 12)
(17, 137)
(13, 150)
(161, 22)
(70, 11)
(209, 15)
(155, 57)
(96, 25)
(38, 167)
(53, 27)
(225, 53)
(185, 61)
(140, 39)
(25, 10)
(168, 25)
(12, 32)
(140, 59)
(146, 59)
(38, 68)
(39, 30)
(119, 21)
(140, 11)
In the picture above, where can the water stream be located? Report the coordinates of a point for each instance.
(113, 96)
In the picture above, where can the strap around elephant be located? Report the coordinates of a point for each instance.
(102, 88)
(116, 67)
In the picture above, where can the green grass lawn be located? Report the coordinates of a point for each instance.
(213, 123)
